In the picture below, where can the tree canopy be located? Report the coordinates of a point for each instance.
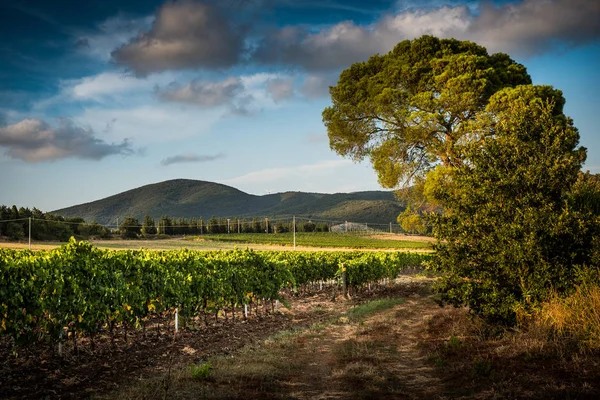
(408, 110)
(508, 234)
(495, 157)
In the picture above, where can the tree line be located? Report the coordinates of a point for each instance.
(131, 227)
(14, 225)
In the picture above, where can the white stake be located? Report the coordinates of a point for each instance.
(176, 320)
(276, 305)
(245, 310)
(60, 343)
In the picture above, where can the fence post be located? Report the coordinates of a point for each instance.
(344, 281)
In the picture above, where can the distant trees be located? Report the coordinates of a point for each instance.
(148, 227)
(14, 225)
(130, 228)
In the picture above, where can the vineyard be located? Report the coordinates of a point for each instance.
(78, 289)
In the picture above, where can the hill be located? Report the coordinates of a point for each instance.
(191, 198)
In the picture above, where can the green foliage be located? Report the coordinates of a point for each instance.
(130, 228)
(14, 231)
(410, 109)
(202, 371)
(508, 234)
(148, 227)
(412, 222)
(373, 307)
(85, 288)
(45, 226)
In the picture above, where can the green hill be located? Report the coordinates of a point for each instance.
(190, 198)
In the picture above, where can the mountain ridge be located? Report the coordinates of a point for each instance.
(186, 198)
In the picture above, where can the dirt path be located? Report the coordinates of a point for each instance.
(358, 353)
(375, 357)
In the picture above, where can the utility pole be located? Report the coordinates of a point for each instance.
(266, 225)
(29, 233)
(294, 230)
(228, 219)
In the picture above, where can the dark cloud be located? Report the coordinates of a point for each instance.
(190, 158)
(330, 48)
(280, 89)
(521, 28)
(203, 93)
(33, 140)
(185, 35)
(534, 26)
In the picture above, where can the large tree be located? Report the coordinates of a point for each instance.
(410, 109)
(510, 232)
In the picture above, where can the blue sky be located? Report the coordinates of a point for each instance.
(99, 97)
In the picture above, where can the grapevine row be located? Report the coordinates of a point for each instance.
(88, 289)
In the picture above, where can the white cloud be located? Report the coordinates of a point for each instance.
(270, 175)
(317, 85)
(281, 89)
(111, 34)
(107, 83)
(328, 176)
(151, 123)
(203, 93)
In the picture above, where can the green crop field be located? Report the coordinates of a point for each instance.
(321, 240)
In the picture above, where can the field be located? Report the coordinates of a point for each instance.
(325, 239)
(279, 241)
(387, 338)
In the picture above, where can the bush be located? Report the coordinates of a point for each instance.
(508, 235)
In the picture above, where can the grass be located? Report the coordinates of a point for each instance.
(576, 317)
(278, 365)
(362, 311)
(258, 241)
(319, 239)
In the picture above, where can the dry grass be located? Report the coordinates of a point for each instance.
(536, 361)
(576, 317)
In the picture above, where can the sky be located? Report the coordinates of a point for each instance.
(101, 96)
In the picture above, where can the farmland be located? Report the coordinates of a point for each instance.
(279, 241)
(325, 239)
